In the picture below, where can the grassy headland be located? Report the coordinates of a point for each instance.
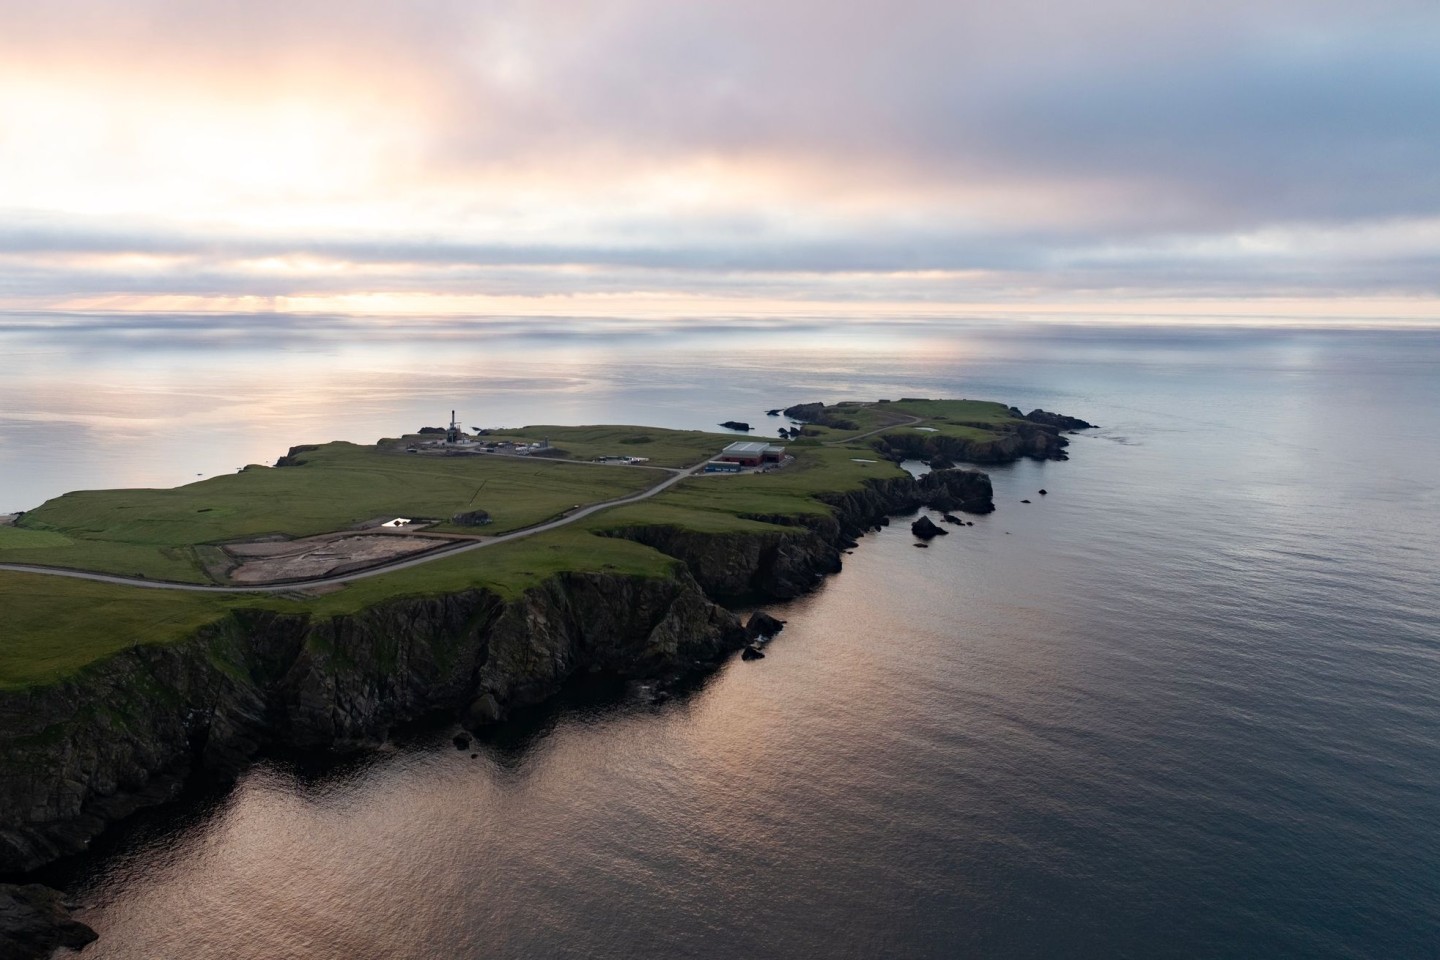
(54, 626)
(156, 533)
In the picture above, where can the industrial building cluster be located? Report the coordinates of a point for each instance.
(739, 457)
(746, 454)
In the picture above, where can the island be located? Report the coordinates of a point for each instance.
(152, 635)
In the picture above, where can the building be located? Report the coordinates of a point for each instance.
(723, 466)
(752, 453)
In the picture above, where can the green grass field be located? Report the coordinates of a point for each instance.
(866, 417)
(719, 502)
(54, 626)
(963, 419)
(154, 532)
(50, 627)
(960, 411)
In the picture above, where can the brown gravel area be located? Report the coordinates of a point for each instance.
(318, 556)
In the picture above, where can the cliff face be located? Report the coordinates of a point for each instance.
(1058, 420)
(1038, 441)
(80, 754)
(786, 563)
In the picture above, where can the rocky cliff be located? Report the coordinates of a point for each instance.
(1038, 441)
(785, 563)
(1058, 420)
(77, 755)
(35, 921)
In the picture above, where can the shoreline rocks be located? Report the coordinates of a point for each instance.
(925, 529)
(35, 921)
(763, 626)
(1057, 420)
(257, 678)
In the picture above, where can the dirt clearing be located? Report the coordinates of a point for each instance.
(321, 556)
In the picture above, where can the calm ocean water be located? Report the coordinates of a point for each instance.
(1186, 705)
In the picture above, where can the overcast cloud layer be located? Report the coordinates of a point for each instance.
(455, 157)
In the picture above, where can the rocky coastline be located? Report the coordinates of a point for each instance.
(1036, 435)
(127, 732)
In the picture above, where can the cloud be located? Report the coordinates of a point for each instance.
(916, 150)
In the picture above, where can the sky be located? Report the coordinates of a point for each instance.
(1258, 160)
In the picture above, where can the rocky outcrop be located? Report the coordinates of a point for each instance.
(124, 733)
(925, 529)
(821, 416)
(735, 425)
(763, 626)
(34, 922)
(752, 565)
(1057, 420)
(789, 560)
(968, 491)
(292, 458)
(1013, 441)
(805, 412)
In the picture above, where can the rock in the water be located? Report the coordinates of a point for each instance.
(941, 462)
(922, 546)
(1042, 491)
(461, 741)
(761, 624)
(485, 709)
(1024, 501)
(34, 921)
(925, 528)
(735, 425)
(752, 652)
(969, 523)
(951, 518)
(773, 413)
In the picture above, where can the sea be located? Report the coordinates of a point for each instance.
(1185, 704)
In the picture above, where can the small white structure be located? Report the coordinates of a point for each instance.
(397, 522)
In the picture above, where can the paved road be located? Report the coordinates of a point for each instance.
(580, 514)
(402, 564)
(908, 421)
